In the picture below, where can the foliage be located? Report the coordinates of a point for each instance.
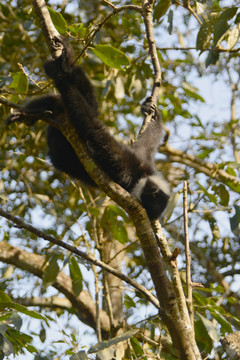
(198, 47)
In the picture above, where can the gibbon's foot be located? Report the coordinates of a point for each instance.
(147, 108)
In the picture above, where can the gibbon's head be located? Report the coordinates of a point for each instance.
(154, 193)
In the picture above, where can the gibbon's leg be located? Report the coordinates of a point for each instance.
(64, 158)
(148, 142)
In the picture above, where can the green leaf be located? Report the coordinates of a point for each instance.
(225, 324)
(228, 14)
(111, 220)
(22, 309)
(58, 21)
(5, 10)
(161, 8)
(19, 83)
(211, 329)
(205, 152)
(51, 272)
(120, 232)
(230, 170)
(221, 25)
(192, 92)
(209, 195)
(204, 34)
(212, 58)
(111, 56)
(4, 297)
(128, 302)
(220, 29)
(76, 276)
(137, 348)
(28, 312)
(78, 30)
(222, 193)
(202, 335)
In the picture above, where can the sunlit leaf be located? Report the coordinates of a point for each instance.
(204, 34)
(111, 56)
(51, 271)
(128, 302)
(58, 21)
(19, 83)
(161, 8)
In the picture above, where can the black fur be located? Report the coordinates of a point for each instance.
(131, 167)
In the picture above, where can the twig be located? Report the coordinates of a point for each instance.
(108, 299)
(104, 21)
(186, 5)
(98, 320)
(8, 103)
(188, 256)
(24, 72)
(217, 50)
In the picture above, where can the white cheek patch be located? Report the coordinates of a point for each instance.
(138, 188)
(156, 179)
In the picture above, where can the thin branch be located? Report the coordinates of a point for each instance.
(188, 256)
(216, 50)
(97, 290)
(21, 224)
(108, 299)
(52, 302)
(207, 168)
(9, 103)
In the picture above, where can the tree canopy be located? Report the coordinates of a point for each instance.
(81, 274)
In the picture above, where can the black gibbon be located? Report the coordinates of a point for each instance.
(132, 167)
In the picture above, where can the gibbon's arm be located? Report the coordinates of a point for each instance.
(44, 108)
